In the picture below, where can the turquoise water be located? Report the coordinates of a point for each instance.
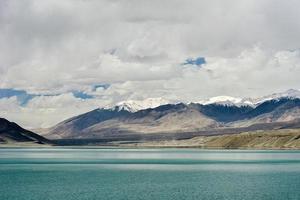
(158, 174)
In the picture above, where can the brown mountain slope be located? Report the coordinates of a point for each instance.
(178, 119)
(274, 139)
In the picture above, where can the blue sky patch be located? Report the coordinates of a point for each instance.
(195, 61)
(22, 96)
(104, 86)
(82, 95)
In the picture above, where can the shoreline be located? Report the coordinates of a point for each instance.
(140, 147)
(281, 139)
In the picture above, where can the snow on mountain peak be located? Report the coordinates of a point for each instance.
(136, 105)
(226, 100)
(223, 99)
(291, 93)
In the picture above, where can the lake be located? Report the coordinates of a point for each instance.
(156, 174)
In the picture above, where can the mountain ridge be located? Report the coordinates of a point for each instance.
(175, 118)
(136, 105)
(11, 132)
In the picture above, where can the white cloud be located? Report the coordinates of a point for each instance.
(137, 46)
(45, 45)
(254, 72)
(45, 111)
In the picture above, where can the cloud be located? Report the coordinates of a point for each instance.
(46, 45)
(35, 77)
(53, 50)
(254, 72)
(45, 111)
(250, 74)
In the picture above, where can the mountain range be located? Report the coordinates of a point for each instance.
(136, 105)
(156, 119)
(11, 132)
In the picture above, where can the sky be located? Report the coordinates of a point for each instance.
(62, 58)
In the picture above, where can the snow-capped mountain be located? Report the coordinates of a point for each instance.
(136, 105)
(228, 100)
(291, 93)
(177, 118)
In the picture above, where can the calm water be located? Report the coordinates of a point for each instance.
(158, 174)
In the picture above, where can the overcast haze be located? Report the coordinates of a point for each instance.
(61, 58)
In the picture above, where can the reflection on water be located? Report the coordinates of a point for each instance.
(148, 174)
(150, 156)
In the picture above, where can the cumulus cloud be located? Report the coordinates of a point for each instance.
(52, 48)
(46, 111)
(252, 73)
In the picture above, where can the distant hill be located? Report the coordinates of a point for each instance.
(179, 121)
(11, 132)
(273, 139)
